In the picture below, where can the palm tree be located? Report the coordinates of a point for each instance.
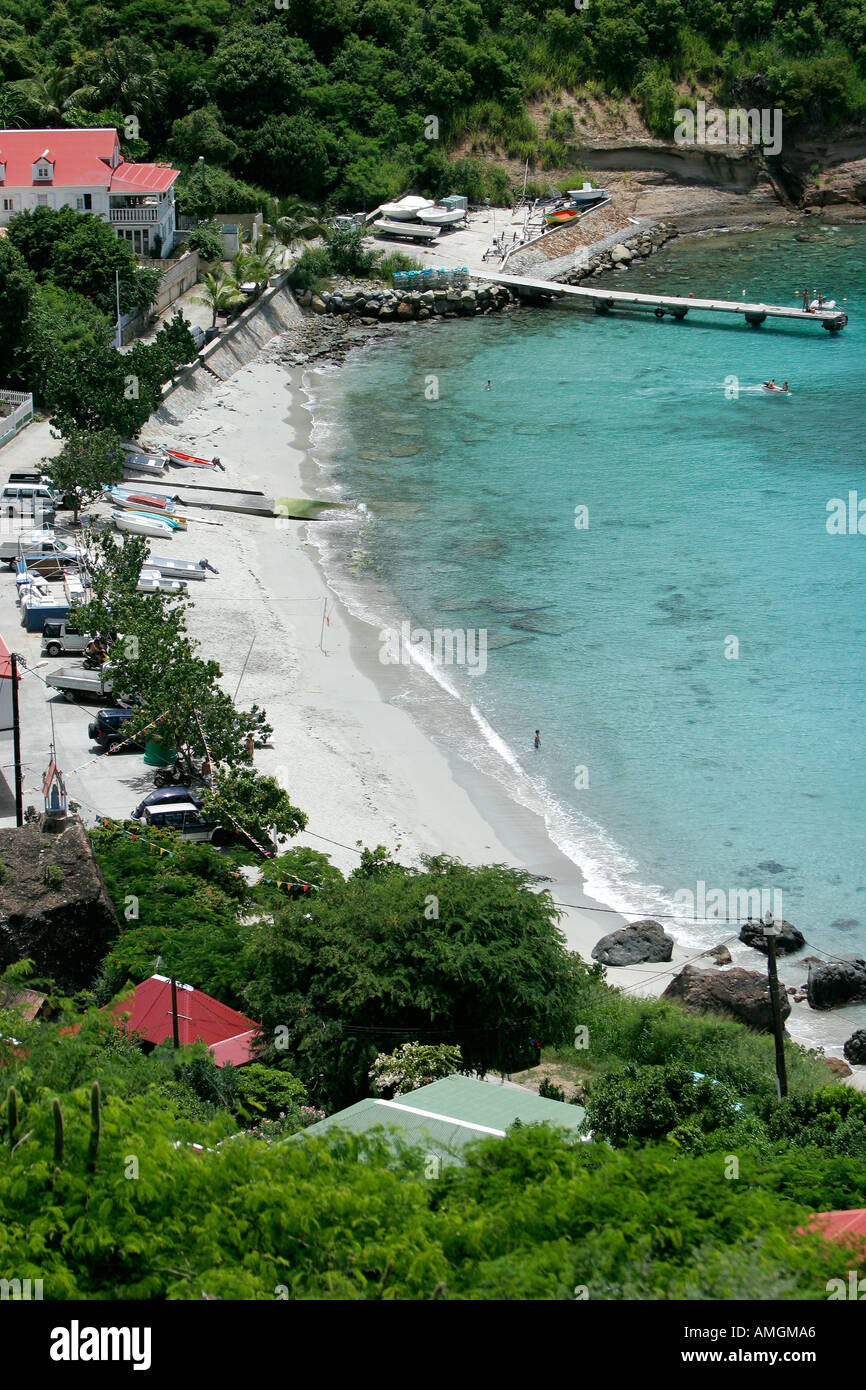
(50, 99)
(11, 108)
(221, 295)
(298, 221)
(129, 77)
(257, 262)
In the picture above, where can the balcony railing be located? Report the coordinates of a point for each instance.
(150, 213)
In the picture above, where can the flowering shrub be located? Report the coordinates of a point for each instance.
(412, 1065)
(287, 1122)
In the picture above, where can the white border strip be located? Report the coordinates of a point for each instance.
(446, 1119)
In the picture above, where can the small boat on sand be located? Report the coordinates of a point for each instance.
(561, 216)
(136, 462)
(189, 460)
(142, 524)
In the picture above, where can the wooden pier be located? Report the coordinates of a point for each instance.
(604, 299)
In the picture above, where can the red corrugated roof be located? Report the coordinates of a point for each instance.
(82, 157)
(198, 1015)
(836, 1225)
(142, 178)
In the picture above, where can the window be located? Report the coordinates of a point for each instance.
(42, 200)
(8, 204)
(88, 202)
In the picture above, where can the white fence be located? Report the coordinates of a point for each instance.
(20, 415)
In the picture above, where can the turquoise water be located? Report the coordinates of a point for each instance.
(707, 537)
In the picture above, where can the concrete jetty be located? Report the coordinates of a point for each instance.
(603, 300)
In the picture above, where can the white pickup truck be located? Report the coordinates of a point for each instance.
(75, 683)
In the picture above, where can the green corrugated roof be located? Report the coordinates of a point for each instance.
(450, 1113)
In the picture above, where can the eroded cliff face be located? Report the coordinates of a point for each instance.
(54, 905)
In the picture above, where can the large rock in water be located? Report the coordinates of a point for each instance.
(855, 1048)
(640, 941)
(833, 983)
(742, 994)
(54, 906)
(790, 938)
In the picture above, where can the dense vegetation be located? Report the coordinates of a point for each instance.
(331, 98)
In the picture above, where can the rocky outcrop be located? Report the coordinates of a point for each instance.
(634, 944)
(855, 1048)
(54, 906)
(790, 939)
(837, 1067)
(834, 983)
(741, 994)
(370, 303)
(623, 252)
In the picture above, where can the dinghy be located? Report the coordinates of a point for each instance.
(188, 460)
(176, 569)
(142, 524)
(150, 464)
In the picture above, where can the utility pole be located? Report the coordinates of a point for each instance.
(771, 931)
(16, 742)
(175, 1039)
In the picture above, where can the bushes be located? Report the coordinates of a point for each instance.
(206, 241)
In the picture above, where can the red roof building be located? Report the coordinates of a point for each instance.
(85, 170)
(228, 1035)
(841, 1225)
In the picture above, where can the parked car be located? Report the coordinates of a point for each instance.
(108, 728)
(59, 636)
(164, 798)
(186, 818)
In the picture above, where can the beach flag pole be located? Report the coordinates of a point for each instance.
(324, 619)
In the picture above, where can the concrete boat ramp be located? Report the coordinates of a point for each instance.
(222, 499)
(603, 300)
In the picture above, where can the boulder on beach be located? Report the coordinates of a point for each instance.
(742, 994)
(720, 954)
(790, 939)
(620, 255)
(833, 983)
(855, 1048)
(838, 1067)
(634, 944)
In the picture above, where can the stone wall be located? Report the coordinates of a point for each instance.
(617, 254)
(559, 250)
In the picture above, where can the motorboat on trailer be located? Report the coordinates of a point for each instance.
(416, 230)
(439, 216)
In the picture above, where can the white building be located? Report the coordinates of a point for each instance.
(84, 169)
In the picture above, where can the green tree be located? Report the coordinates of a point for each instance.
(201, 134)
(243, 798)
(206, 241)
(47, 99)
(445, 954)
(88, 461)
(647, 1103)
(17, 293)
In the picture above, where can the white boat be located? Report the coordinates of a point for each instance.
(153, 465)
(406, 208)
(175, 569)
(441, 217)
(140, 524)
(416, 230)
(587, 194)
(150, 581)
(823, 304)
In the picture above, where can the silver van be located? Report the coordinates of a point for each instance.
(188, 820)
(28, 499)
